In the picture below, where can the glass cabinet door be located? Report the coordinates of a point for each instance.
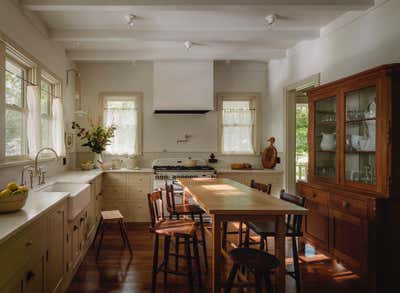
(325, 138)
(360, 135)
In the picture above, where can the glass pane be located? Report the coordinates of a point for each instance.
(361, 135)
(301, 141)
(325, 138)
(44, 123)
(45, 90)
(14, 84)
(14, 133)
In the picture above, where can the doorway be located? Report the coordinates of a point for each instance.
(296, 131)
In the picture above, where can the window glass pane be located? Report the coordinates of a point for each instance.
(238, 127)
(14, 84)
(14, 133)
(122, 113)
(45, 90)
(44, 124)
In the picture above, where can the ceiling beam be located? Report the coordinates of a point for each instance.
(195, 53)
(107, 5)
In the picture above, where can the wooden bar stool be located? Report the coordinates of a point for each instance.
(293, 230)
(110, 217)
(192, 210)
(185, 229)
(259, 262)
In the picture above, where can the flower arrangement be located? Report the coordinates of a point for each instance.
(96, 138)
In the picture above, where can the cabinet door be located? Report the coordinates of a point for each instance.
(13, 286)
(91, 209)
(348, 239)
(316, 224)
(55, 257)
(33, 281)
(75, 242)
(324, 157)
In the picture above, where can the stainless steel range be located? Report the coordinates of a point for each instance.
(168, 170)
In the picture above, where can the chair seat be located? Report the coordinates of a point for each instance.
(255, 258)
(268, 228)
(186, 209)
(175, 228)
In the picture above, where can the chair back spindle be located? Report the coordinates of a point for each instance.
(170, 196)
(261, 186)
(293, 222)
(156, 208)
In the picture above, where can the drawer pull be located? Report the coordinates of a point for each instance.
(314, 194)
(345, 204)
(75, 227)
(29, 276)
(29, 243)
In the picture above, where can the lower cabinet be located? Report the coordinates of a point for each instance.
(33, 281)
(316, 224)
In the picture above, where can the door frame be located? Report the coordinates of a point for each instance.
(290, 127)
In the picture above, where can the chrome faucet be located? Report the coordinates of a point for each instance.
(38, 171)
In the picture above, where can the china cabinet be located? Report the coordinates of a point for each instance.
(354, 179)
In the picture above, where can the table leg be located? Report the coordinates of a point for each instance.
(280, 253)
(216, 255)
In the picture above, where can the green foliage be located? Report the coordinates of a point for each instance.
(96, 138)
(301, 129)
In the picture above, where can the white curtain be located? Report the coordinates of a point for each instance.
(33, 129)
(57, 130)
(237, 127)
(123, 114)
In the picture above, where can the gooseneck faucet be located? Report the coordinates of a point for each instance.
(38, 171)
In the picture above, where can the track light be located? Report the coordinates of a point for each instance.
(188, 45)
(130, 18)
(271, 19)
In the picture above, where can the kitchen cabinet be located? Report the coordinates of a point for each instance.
(33, 281)
(353, 185)
(55, 254)
(245, 176)
(127, 192)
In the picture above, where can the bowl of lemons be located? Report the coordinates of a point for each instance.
(87, 165)
(13, 197)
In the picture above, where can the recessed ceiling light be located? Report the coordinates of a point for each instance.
(271, 19)
(130, 18)
(188, 45)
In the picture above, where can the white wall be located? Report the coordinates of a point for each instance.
(16, 26)
(353, 44)
(160, 132)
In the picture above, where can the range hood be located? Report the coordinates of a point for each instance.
(183, 87)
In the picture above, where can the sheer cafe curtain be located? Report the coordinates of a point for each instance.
(33, 133)
(238, 127)
(122, 113)
(57, 131)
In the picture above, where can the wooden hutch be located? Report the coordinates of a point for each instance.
(353, 184)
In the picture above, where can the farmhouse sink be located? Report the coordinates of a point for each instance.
(78, 199)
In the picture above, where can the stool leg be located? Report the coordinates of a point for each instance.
(167, 242)
(268, 283)
(125, 234)
(197, 259)
(122, 233)
(155, 265)
(176, 253)
(296, 265)
(101, 240)
(231, 278)
(204, 243)
(189, 264)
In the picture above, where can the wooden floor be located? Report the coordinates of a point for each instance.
(114, 272)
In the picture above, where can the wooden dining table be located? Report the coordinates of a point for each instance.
(226, 200)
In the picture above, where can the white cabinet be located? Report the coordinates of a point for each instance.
(127, 192)
(33, 281)
(55, 254)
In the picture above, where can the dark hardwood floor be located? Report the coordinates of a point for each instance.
(115, 272)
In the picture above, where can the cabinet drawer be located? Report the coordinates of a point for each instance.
(114, 192)
(22, 249)
(352, 206)
(314, 194)
(114, 179)
(139, 179)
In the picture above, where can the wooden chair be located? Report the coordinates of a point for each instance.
(109, 217)
(192, 210)
(257, 261)
(168, 228)
(293, 230)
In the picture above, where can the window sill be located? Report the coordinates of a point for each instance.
(239, 154)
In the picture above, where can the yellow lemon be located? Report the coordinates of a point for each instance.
(23, 188)
(5, 192)
(17, 192)
(12, 186)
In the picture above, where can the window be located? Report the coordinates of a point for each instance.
(15, 110)
(238, 125)
(47, 92)
(123, 111)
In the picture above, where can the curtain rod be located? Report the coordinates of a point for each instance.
(31, 83)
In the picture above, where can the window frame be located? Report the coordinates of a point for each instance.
(138, 97)
(254, 98)
(23, 110)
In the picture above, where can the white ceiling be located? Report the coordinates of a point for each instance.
(221, 29)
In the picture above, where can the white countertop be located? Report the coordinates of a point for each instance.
(124, 170)
(36, 205)
(272, 171)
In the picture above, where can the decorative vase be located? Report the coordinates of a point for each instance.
(98, 160)
(328, 142)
